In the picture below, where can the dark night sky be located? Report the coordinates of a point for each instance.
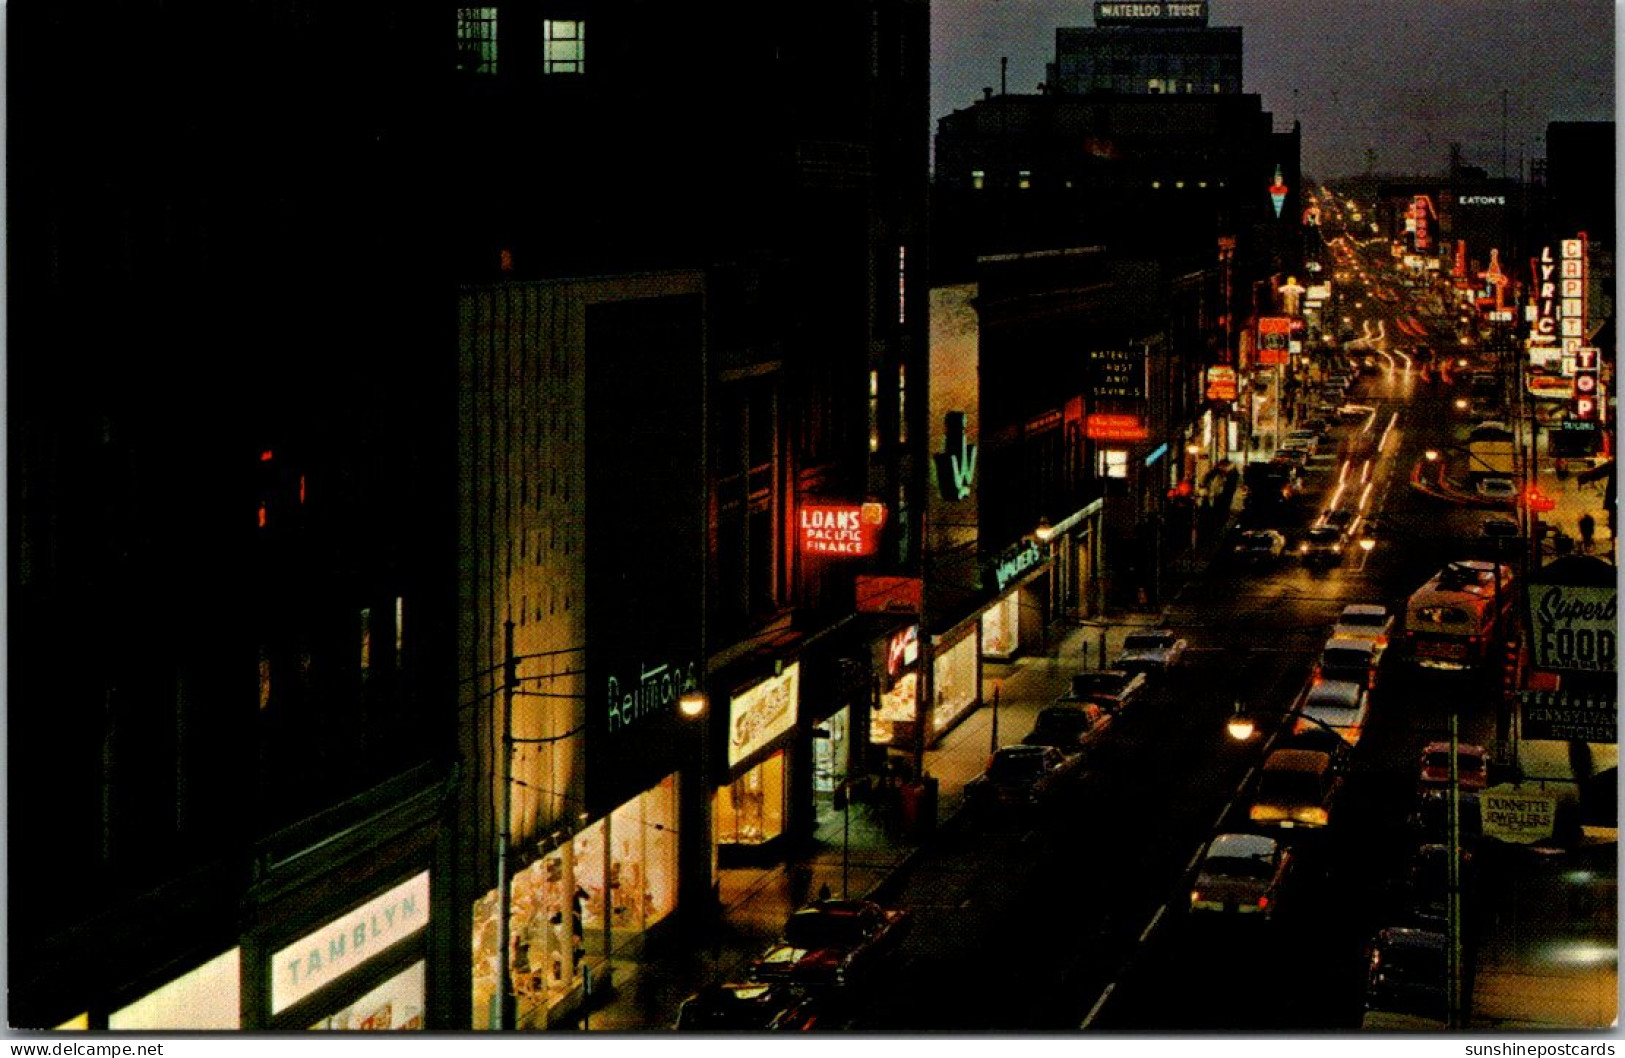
(1403, 78)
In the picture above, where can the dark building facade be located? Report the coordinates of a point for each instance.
(232, 487)
(1158, 48)
(452, 385)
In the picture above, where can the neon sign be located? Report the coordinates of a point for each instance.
(1102, 426)
(850, 530)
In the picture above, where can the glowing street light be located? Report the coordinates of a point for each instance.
(692, 704)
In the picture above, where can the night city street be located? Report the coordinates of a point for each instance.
(1089, 521)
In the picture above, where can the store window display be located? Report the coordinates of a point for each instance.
(750, 810)
(560, 903)
(955, 678)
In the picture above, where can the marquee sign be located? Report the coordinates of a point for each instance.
(847, 530)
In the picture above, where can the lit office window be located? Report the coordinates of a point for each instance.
(1113, 463)
(978, 178)
(874, 411)
(477, 40)
(1024, 179)
(902, 404)
(564, 46)
(902, 284)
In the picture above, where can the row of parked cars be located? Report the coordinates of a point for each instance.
(1031, 772)
(823, 947)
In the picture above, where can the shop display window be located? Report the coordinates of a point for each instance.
(559, 908)
(830, 754)
(750, 810)
(897, 705)
(208, 997)
(396, 1005)
(955, 675)
(1001, 628)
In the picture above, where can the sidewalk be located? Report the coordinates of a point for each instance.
(754, 902)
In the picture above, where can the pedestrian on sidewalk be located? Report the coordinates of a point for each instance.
(1588, 529)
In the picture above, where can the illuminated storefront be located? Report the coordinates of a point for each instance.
(208, 998)
(955, 679)
(576, 904)
(1001, 628)
(749, 809)
(895, 722)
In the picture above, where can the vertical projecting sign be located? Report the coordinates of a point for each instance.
(956, 463)
(1117, 374)
(1278, 191)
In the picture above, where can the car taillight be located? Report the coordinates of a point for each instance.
(1382, 641)
(1263, 903)
(1316, 816)
(1196, 896)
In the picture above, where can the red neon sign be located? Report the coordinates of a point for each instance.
(847, 529)
(1110, 427)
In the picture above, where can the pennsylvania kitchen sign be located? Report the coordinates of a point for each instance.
(1569, 716)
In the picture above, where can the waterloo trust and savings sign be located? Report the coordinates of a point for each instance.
(849, 530)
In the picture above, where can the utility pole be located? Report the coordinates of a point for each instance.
(1503, 134)
(502, 1017)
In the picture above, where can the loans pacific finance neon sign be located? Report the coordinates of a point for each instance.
(849, 530)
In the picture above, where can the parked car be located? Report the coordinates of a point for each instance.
(1498, 490)
(1472, 767)
(1296, 788)
(749, 1006)
(833, 942)
(1321, 546)
(1427, 886)
(1020, 776)
(1241, 874)
(1429, 821)
(1260, 547)
(1407, 972)
(1355, 660)
(1332, 708)
(1113, 688)
(1070, 727)
(1150, 652)
(1293, 455)
(1309, 439)
(1365, 621)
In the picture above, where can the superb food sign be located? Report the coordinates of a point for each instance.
(849, 530)
(1575, 627)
